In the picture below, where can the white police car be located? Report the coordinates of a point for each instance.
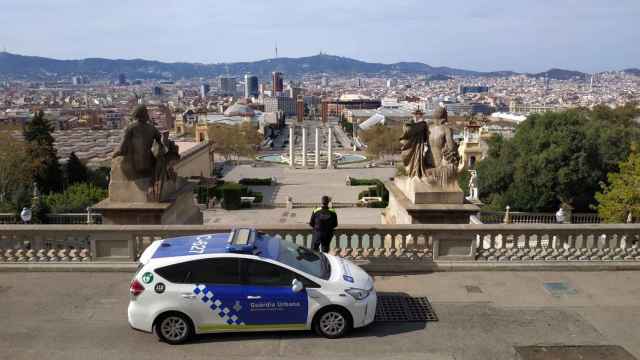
(246, 281)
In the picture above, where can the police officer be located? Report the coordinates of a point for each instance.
(323, 221)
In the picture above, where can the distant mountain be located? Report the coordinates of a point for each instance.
(560, 74)
(40, 68)
(632, 71)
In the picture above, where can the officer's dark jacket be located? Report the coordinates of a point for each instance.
(324, 220)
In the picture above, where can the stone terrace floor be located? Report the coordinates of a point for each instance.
(482, 315)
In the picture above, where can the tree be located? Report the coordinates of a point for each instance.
(75, 199)
(15, 172)
(382, 140)
(557, 158)
(76, 171)
(44, 159)
(621, 195)
(235, 141)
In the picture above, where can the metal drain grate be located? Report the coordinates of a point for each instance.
(402, 308)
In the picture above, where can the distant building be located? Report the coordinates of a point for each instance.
(77, 80)
(519, 108)
(251, 86)
(300, 108)
(277, 82)
(464, 108)
(280, 103)
(391, 83)
(294, 92)
(335, 107)
(324, 82)
(122, 79)
(463, 90)
(204, 90)
(157, 91)
(227, 86)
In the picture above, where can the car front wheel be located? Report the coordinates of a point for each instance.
(332, 323)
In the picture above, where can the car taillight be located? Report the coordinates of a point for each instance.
(136, 288)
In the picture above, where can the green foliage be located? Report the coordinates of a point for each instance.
(76, 171)
(231, 193)
(463, 181)
(621, 195)
(15, 173)
(75, 199)
(44, 159)
(400, 170)
(255, 181)
(363, 182)
(557, 158)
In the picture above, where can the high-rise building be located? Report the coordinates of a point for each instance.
(227, 85)
(463, 90)
(204, 90)
(324, 82)
(392, 83)
(278, 82)
(77, 80)
(122, 79)
(157, 91)
(280, 103)
(251, 86)
(300, 108)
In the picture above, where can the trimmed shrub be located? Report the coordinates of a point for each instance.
(231, 194)
(256, 181)
(363, 182)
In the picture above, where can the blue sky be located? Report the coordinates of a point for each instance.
(521, 35)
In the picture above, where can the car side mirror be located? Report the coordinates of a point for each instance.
(296, 286)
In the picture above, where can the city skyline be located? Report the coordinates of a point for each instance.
(588, 36)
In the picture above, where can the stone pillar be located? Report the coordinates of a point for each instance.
(317, 161)
(304, 147)
(330, 149)
(292, 162)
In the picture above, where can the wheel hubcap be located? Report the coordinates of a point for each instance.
(332, 323)
(173, 328)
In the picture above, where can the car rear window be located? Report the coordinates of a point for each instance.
(204, 271)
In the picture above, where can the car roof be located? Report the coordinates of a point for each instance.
(219, 243)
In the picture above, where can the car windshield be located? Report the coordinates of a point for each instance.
(305, 260)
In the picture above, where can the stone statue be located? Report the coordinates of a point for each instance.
(429, 151)
(166, 157)
(138, 160)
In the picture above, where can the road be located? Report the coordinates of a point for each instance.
(482, 315)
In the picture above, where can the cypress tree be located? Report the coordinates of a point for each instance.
(46, 167)
(76, 171)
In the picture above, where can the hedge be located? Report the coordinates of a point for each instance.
(256, 181)
(231, 194)
(363, 182)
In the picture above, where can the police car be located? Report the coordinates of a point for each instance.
(246, 281)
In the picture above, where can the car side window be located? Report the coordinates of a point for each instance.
(262, 273)
(205, 271)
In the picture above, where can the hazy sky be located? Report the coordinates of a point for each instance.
(521, 35)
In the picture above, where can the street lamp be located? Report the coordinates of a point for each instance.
(26, 215)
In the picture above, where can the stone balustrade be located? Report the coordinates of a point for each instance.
(382, 247)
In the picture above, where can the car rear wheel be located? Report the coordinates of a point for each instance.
(332, 323)
(174, 328)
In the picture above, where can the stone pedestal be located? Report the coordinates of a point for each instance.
(131, 202)
(412, 201)
(180, 210)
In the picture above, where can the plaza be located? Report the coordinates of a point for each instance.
(482, 315)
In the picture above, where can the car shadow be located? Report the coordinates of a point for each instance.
(373, 330)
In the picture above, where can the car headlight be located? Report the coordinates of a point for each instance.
(358, 294)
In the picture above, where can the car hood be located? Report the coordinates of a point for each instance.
(349, 274)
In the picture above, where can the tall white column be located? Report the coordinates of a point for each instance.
(317, 165)
(330, 149)
(304, 147)
(291, 145)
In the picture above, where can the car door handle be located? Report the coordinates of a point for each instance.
(188, 296)
(250, 297)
